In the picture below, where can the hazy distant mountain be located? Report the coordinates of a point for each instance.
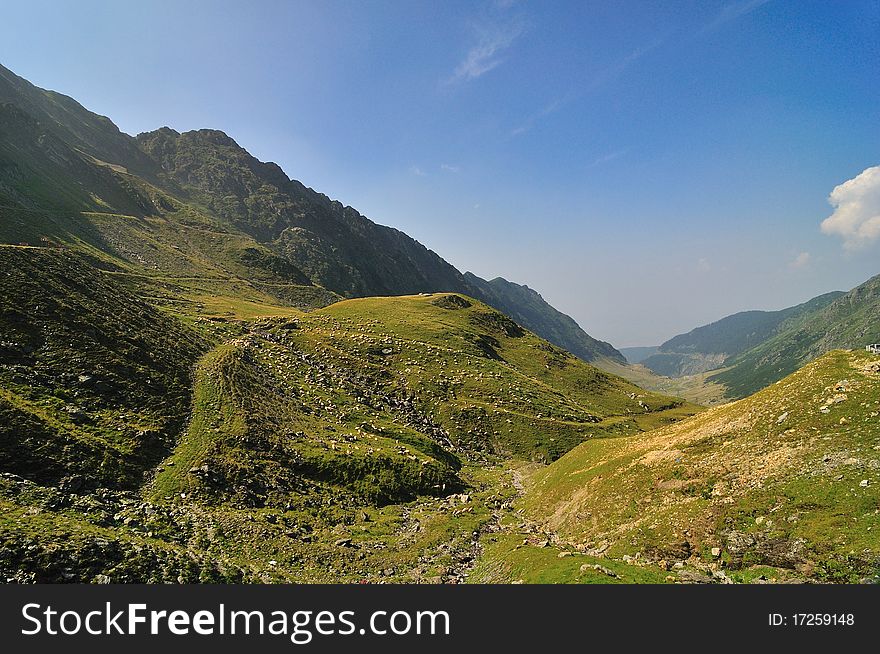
(850, 321)
(708, 347)
(639, 353)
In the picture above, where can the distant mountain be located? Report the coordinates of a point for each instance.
(639, 353)
(528, 308)
(710, 346)
(200, 208)
(850, 321)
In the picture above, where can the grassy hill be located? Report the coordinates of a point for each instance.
(386, 396)
(851, 320)
(157, 445)
(94, 383)
(785, 483)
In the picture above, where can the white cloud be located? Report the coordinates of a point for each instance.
(415, 170)
(800, 261)
(856, 217)
(449, 168)
(487, 53)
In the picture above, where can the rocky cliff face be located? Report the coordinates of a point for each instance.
(334, 244)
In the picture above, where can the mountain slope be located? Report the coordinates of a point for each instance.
(320, 446)
(50, 191)
(528, 308)
(851, 320)
(94, 383)
(787, 478)
(385, 397)
(333, 244)
(57, 156)
(709, 346)
(72, 123)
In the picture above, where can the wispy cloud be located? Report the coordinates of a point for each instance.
(732, 11)
(415, 170)
(450, 168)
(529, 122)
(611, 156)
(590, 84)
(617, 68)
(802, 260)
(856, 217)
(492, 40)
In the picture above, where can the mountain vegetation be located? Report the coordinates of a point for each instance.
(851, 320)
(710, 346)
(212, 373)
(137, 445)
(781, 485)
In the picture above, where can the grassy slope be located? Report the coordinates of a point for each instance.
(94, 384)
(386, 396)
(788, 477)
(312, 454)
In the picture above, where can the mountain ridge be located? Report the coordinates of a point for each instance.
(708, 347)
(206, 176)
(850, 321)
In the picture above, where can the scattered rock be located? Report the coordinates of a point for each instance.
(693, 577)
(600, 568)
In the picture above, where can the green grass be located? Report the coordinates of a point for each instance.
(774, 479)
(95, 383)
(507, 560)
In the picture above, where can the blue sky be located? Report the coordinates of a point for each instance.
(647, 166)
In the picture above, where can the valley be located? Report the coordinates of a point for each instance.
(212, 373)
